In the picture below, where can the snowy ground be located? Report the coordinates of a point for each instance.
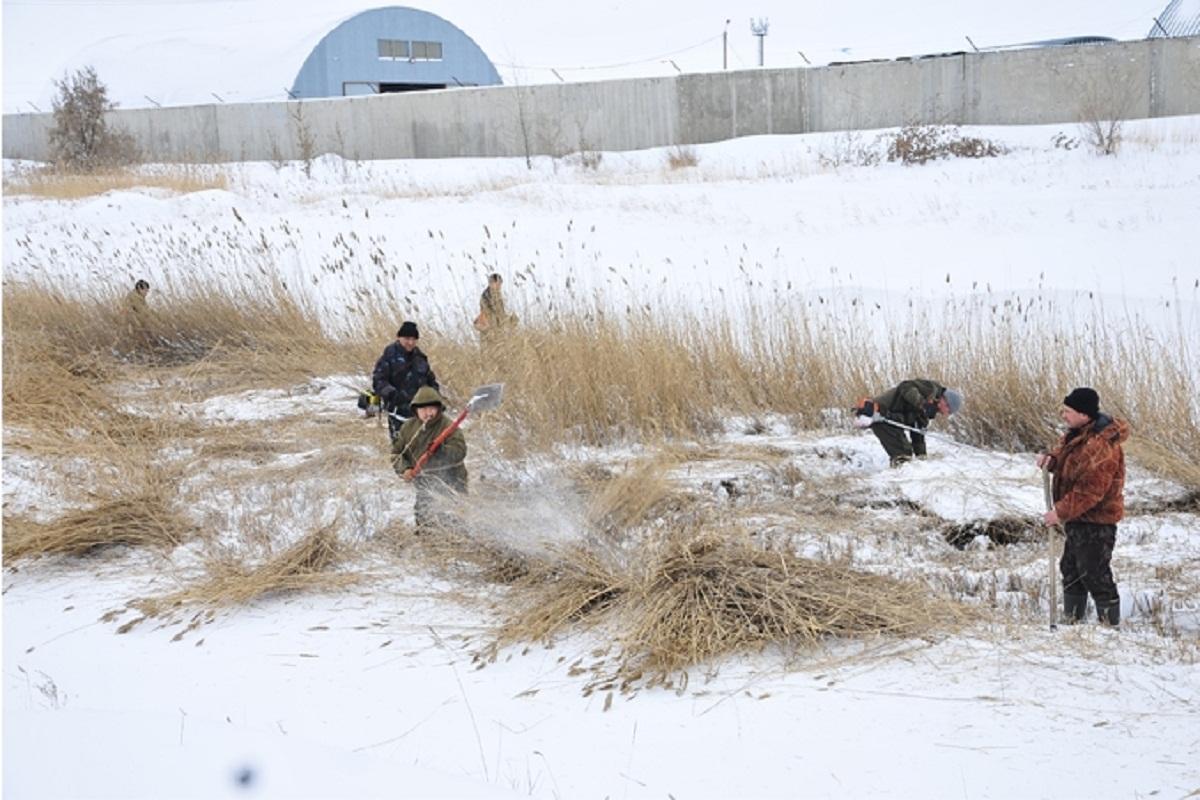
(762, 220)
(373, 691)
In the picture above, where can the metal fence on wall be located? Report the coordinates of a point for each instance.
(1122, 80)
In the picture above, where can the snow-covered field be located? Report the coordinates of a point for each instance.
(760, 220)
(373, 691)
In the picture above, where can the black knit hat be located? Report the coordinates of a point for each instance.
(408, 329)
(1084, 400)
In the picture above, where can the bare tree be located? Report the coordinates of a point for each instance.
(81, 139)
(306, 142)
(1106, 100)
(524, 124)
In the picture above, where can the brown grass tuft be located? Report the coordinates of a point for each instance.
(696, 596)
(708, 596)
(309, 564)
(628, 499)
(141, 520)
(56, 184)
(576, 587)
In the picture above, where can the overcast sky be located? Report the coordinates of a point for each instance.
(199, 51)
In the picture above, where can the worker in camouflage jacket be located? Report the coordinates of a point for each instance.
(913, 403)
(1088, 491)
(137, 316)
(399, 373)
(444, 475)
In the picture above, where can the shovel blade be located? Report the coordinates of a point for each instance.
(485, 398)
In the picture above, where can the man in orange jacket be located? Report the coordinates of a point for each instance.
(1089, 482)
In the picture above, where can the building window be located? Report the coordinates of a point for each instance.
(427, 51)
(393, 50)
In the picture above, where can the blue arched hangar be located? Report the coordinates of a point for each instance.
(393, 49)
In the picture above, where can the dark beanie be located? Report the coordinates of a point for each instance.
(408, 329)
(1084, 400)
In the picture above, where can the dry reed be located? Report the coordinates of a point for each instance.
(137, 520)
(307, 565)
(49, 183)
(701, 597)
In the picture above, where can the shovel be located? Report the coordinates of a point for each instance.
(485, 398)
(1050, 529)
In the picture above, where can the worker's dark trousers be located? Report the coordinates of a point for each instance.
(394, 424)
(895, 442)
(1086, 565)
(434, 507)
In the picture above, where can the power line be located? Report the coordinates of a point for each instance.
(659, 57)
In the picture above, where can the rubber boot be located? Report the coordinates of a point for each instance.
(1074, 607)
(1109, 614)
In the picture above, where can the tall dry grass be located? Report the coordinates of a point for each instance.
(253, 330)
(594, 375)
(578, 370)
(55, 184)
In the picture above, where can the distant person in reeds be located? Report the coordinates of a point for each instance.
(444, 474)
(1088, 465)
(913, 403)
(399, 373)
(136, 313)
(494, 317)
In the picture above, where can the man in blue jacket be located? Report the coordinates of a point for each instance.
(399, 373)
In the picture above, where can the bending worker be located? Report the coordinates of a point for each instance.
(913, 403)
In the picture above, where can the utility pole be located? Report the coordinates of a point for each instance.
(759, 27)
(725, 47)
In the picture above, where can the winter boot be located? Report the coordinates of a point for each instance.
(1109, 614)
(1074, 607)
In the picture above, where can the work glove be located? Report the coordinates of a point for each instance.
(930, 409)
(867, 409)
(863, 421)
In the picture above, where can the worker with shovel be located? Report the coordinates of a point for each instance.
(906, 409)
(442, 474)
(1088, 466)
(429, 451)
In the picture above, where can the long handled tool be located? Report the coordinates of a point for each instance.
(485, 398)
(922, 432)
(1050, 529)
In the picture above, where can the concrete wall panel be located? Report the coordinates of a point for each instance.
(1129, 80)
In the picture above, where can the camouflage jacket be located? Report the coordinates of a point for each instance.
(399, 374)
(493, 313)
(1089, 472)
(906, 402)
(445, 468)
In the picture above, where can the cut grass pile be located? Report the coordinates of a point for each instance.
(144, 519)
(309, 564)
(693, 597)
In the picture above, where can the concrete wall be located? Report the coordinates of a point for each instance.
(1127, 80)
